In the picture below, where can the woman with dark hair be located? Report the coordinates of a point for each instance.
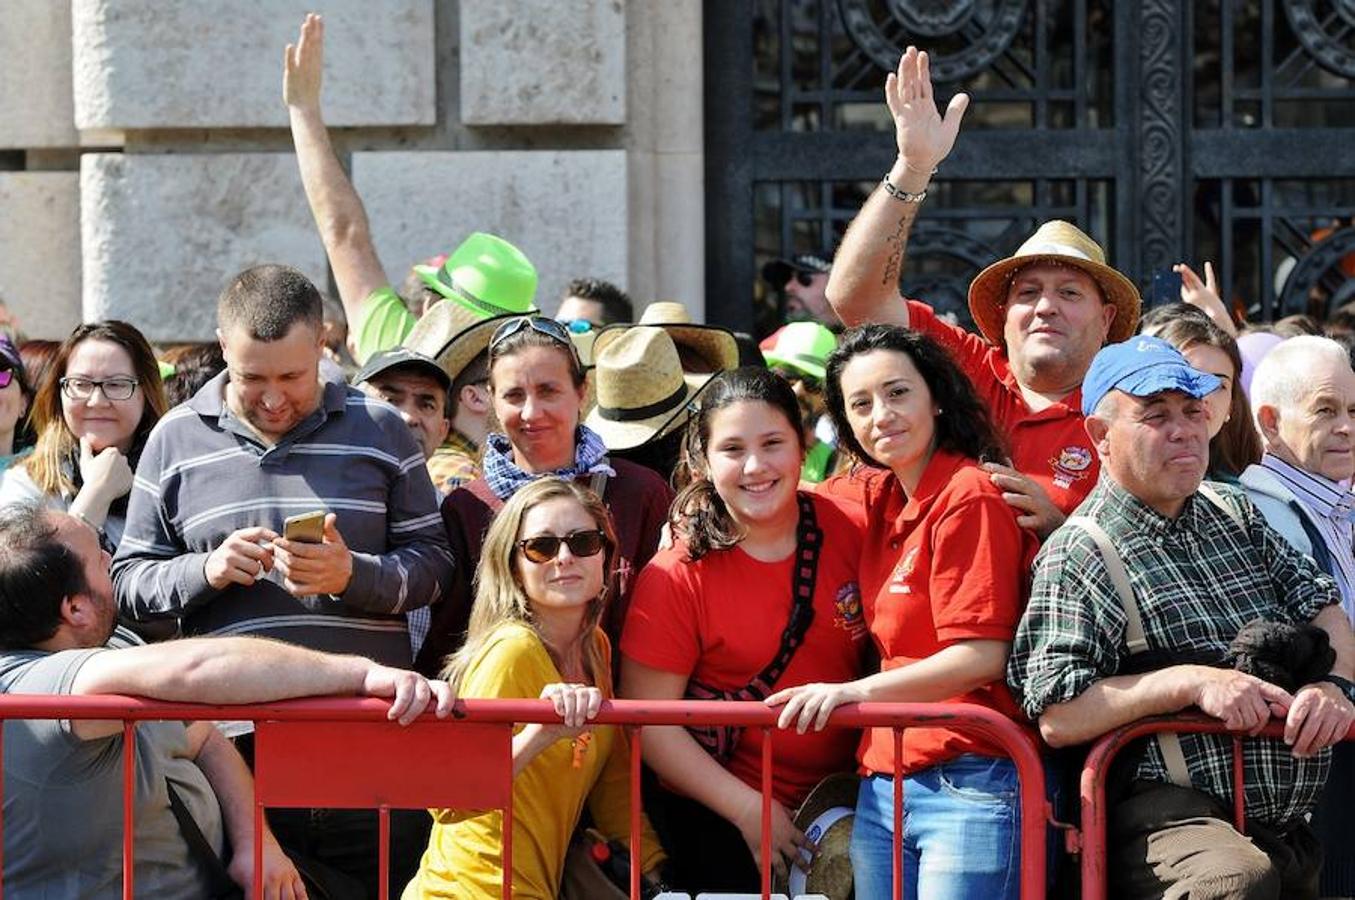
(92, 415)
(944, 579)
(757, 593)
(1233, 441)
(15, 397)
(536, 385)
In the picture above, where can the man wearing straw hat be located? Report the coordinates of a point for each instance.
(485, 276)
(1044, 312)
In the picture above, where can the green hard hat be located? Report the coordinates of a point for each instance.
(803, 346)
(486, 274)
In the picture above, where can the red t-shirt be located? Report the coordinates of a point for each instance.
(719, 621)
(949, 564)
(1050, 446)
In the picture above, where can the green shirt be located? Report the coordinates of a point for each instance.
(385, 323)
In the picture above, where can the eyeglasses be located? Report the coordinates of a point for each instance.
(119, 388)
(6, 376)
(545, 547)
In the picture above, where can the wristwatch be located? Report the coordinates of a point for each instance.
(1346, 685)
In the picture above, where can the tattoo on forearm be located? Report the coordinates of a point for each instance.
(896, 241)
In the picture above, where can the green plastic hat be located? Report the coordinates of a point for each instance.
(803, 346)
(487, 275)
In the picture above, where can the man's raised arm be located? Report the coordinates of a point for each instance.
(864, 283)
(338, 212)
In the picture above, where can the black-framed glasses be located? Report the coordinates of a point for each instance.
(804, 278)
(545, 547)
(119, 387)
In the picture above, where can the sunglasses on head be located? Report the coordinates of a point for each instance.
(540, 324)
(545, 547)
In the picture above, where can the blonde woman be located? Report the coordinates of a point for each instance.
(534, 631)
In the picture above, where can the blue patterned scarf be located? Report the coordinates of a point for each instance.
(504, 476)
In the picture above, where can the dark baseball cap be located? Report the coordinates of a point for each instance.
(402, 357)
(779, 271)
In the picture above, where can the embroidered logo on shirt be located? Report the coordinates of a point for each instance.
(901, 573)
(579, 744)
(1071, 465)
(847, 613)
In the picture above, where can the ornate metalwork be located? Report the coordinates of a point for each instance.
(1320, 270)
(1322, 35)
(988, 26)
(1160, 133)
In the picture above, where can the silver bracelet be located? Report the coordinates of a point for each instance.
(900, 194)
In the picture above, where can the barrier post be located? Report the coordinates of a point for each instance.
(896, 845)
(766, 813)
(128, 795)
(633, 734)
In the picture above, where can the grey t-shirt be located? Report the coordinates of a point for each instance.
(63, 799)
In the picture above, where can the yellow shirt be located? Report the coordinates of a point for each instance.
(463, 859)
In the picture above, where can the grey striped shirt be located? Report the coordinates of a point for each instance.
(204, 474)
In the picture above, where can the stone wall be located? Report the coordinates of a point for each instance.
(146, 157)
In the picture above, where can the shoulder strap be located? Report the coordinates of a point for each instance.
(1119, 577)
(1173, 757)
(598, 483)
(808, 540)
(1213, 496)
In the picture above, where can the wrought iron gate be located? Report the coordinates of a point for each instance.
(1171, 130)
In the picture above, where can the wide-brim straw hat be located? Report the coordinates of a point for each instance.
(452, 335)
(713, 344)
(1064, 244)
(826, 817)
(642, 392)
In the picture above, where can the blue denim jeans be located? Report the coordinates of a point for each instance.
(961, 827)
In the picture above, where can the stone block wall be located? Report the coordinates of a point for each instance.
(146, 157)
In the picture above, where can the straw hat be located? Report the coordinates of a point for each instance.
(1065, 244)
(826, 818)
(716, 346)
(642, 393)
(485, 275)
(452, 335)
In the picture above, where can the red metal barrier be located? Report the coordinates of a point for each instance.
(465, 761)
(1092, 785)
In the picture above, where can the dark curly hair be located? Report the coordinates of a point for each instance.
(964, 425)
(698, 512)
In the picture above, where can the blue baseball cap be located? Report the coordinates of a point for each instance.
(1142, 366)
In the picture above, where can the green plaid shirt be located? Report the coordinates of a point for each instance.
(1198, 579)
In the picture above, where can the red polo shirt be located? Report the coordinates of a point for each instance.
(1050, 446)
(719, 620)
(948, 564)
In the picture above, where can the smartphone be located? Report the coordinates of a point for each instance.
(1166, 287)
(306, 528)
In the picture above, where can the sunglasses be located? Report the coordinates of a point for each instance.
(540, 324)
(6, 376)
(804, 278)
(545, 547)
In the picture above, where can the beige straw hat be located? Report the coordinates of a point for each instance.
(452, 335)
(826, 817)
(714, 346)
(642, 393)
(1065, 244)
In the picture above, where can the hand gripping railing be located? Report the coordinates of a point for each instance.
(1095, 770)
(465, 760)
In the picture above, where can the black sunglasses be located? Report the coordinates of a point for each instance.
(545, 547)
(804, 278)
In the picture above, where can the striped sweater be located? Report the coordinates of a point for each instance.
(205, 474)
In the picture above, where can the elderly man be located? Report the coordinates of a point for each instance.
(1303, 397)
(63, 778)
(1044, 312)
(1199, 564)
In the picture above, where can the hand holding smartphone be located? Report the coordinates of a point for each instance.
(306, 528)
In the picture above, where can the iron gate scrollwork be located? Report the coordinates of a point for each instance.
(1220, 130)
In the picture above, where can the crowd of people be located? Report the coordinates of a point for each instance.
(1083, 515)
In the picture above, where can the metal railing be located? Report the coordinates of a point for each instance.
(465, 761)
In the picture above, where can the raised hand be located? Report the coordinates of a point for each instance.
(1204, 295)
(924, 136)
(304, 64)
